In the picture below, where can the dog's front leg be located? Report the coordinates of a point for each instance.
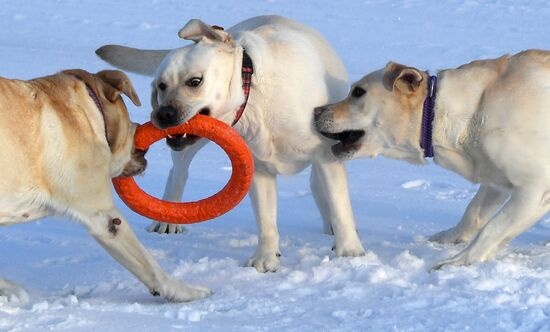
(173, 191)
(524, 208)
(263, 195)
(114, 233)
(482, 207)
(332, 179)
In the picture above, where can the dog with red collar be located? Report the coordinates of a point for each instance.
(294, 70)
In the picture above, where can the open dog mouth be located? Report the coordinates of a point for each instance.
(347, 137)
(180, 142)
(349, 141)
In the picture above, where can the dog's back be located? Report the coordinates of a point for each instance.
(300, 41)
(21, 139)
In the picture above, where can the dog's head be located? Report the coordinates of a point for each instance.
(381, 115)
(108, 86)
(200, 78)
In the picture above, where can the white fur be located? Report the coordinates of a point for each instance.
(295, 71)
(491, 126)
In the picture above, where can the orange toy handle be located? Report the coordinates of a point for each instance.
(234, 191)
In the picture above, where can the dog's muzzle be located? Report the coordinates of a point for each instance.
(322, 118)
(318, 112)
(166, 117)
(181, 142)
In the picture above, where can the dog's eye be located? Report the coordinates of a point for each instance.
(358, 92)
(194, 82)
(162, 86)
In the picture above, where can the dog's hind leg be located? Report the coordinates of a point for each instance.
(524, 208)
(333, 180)
(173, 191)
(114, 233)
(263, 195)
(482, 207)
(319, 194)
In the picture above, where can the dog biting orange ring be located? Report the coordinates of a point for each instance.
(191, 212)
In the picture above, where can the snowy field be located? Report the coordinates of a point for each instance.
(75, 286)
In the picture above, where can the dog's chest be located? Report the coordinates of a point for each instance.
(283, 162)
(281, 153)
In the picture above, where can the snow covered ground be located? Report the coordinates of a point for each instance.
(75, 286)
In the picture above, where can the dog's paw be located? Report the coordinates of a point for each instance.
(165, 228)
(455, 261)
(464, 258)
(265, 261)
(348, 249)
(450, 236)
(176, 291)
(11, 292)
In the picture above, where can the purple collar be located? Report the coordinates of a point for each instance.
(94, 97)
(428, 118)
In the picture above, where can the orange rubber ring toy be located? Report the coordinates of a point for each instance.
(191, 212)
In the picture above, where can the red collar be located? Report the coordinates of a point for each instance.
(246, 72)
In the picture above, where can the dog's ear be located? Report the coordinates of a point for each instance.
(401, 78)
(116, 83)
(144, 62)
(197, 30)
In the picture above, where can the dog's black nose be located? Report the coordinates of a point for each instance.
(317, 111)
(167, 116)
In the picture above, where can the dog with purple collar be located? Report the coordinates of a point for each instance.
(488, 121)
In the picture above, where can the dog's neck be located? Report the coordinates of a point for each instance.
(247, 69)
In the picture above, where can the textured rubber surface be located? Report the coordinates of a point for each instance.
(205, 209)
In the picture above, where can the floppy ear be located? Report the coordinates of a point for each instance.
(116, 83)
(197, 30)
(144, 62)
(401, 78)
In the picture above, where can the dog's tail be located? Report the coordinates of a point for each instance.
(144, 62)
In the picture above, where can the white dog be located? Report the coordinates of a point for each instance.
(63, 137)
(491, 125)
(295, 70)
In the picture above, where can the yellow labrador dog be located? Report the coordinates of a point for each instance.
(63, 137)
(491, 125)
(294, 70)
